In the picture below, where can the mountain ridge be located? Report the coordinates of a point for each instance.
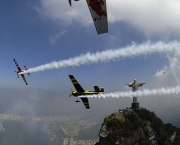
(137, 127)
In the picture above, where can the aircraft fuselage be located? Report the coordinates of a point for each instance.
(75, 93)
(20, 71)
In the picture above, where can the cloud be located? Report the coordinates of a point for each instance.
(57, 36)
(145, 92)
(172, 71)
(153, 17)
(110, 55)
(161, 73)
(57, 11)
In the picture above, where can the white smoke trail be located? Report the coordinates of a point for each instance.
(112, 54)
(145, 92)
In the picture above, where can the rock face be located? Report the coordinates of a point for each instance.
(140, 127)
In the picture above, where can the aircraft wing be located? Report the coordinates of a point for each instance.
(130, 85)
(23, 77)
(140, 84)
(76, 84)
(85, 102)
(98, 12)
(17, 65)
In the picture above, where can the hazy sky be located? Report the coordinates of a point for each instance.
(38, 32)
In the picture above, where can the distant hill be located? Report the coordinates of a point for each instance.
(140, 127)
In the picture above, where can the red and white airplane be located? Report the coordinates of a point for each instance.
(20, 71)
(98, 12)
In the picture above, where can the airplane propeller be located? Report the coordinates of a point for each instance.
(17, 74)
(70, 94)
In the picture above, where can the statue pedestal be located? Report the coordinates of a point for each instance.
(135, 104)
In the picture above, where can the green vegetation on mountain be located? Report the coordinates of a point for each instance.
(140, 127)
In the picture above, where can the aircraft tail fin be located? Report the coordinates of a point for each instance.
(26, 69)
(97, 89)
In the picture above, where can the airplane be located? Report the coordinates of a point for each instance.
(98, 12)
(81, 92)
(135, 85)
(20, 71)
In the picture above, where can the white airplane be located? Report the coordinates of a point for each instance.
(20, 71)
